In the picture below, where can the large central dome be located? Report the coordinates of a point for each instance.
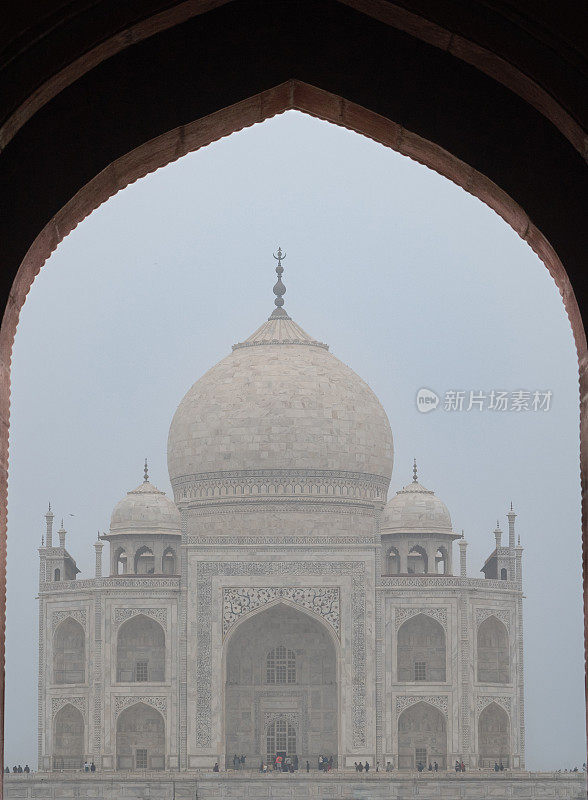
(280, 403)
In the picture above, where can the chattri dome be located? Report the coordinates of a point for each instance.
(280, 403)
(415, 508)
(145, 510)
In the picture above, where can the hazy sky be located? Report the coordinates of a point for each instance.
(411, 282)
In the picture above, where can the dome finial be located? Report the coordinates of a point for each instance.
(279, 288)
(414, 472)
(146, 472)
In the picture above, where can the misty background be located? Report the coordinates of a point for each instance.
(411, 281)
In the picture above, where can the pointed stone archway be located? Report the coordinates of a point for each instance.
(281, 666)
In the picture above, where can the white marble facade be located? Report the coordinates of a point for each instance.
(279, 603)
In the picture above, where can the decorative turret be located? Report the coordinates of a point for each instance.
(144, 532)
(98, 546)
(62, 533)
(511, 529)
(501, 564)
(462, 557)
(56, 564)
(416, 531)
(49, 518)
(498, 535)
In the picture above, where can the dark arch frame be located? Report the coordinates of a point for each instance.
(466, 99)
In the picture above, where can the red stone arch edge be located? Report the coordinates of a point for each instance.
(384, 11)
(158, 152)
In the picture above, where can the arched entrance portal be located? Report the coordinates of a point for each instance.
(281, 692)
(422, 736)
(494, 736)
(140, 738)
(68, 738)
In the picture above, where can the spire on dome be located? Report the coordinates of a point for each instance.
(146, 472)
(279, 288)
(415, 478)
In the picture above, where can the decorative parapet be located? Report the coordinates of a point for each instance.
(57, 703)
(447, 581)
(78, 614)
(123, 614)
(439, 614)
(403, 702)
(117, 582)
(269, 541)
(323, 601)
(124, 701)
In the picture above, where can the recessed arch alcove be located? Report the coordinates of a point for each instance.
(281, 664)
(479, 120)
(68, 738)
(422, 736)
(69, 652)
(140, 651)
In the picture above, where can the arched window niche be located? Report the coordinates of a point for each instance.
(493, 652)
(144, 561)
(281, 665)
(140, 651)
(421, 650)
(417, 561)
(69, 652)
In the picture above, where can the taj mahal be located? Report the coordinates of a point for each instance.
(282, 603)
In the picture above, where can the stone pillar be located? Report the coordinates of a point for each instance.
(431, 551)
(98, 546)
(462, 558)
(511, 530)
(498, 535)
(380, 645)
(519, 557)
(49, 519)
(62, 533)
(158, 548)
(403, 557)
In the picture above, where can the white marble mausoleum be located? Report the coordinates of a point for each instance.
(283, 601)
